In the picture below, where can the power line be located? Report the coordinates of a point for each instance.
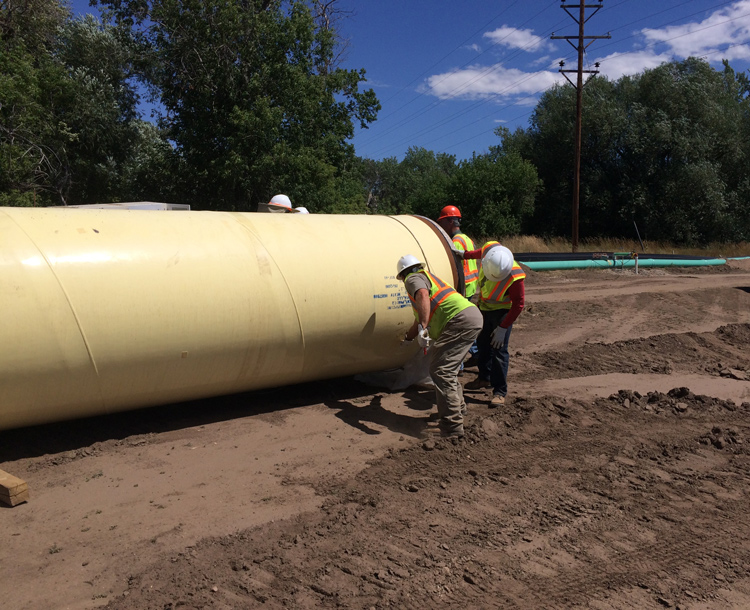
(516, 83)
(439, 102)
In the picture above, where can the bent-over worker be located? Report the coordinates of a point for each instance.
(447, 322)
(501, 299)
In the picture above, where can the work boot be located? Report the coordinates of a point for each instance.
(497, 401)
(478, 384)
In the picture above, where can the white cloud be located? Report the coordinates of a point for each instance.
(541, 61)
(721, 35)
(738, 52)
(725, 27)
(370, 82)
(473, 47)
(623, 64)
(476, 82)
(515, 38)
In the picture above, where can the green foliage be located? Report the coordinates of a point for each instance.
(67, 110)
(253, 103)
(29, 134)
(251, 100)
(495, 192)
(148, 174)
(416, 185)
(97, 106)
(18, 199)
(667, 149)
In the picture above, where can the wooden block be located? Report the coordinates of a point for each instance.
(13, 490)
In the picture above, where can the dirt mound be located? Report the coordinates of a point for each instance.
(550, 503)
(722, 353)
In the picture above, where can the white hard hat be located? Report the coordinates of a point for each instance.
(302, 210)
(281, 200)
(405, 262)
(497, 263)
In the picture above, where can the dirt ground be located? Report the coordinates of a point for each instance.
(616, 476)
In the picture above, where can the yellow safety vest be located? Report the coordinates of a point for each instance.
(493, 294)
(445, 303)
(471, 267)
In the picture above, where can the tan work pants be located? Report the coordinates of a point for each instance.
(450, 349)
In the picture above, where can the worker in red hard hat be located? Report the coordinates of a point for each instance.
(450, 221)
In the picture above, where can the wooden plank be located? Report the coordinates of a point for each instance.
(13, 491)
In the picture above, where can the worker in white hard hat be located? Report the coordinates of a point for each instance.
(501, 300)
(281, 200)
(446, 323)
(278, 204)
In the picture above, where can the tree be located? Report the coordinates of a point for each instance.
(98, 106)
(67, 110)
(416, 185)
(667, 148)
(251, 98)
(495, 192)
(32, 169)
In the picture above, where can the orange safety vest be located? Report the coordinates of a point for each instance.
(440, 294)
(493, 294)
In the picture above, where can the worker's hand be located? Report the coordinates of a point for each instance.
(424, 339)
(498, 337)
(457, 252)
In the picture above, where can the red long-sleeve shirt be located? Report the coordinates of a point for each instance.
(516, 293)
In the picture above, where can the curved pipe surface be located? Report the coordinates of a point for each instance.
(110, 310)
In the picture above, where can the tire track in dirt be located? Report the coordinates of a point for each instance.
(484, 521)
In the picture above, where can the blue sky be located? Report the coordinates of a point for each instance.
(448, 73)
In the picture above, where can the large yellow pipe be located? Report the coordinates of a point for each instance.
(109, 310)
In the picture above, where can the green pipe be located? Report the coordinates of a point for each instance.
(604, 264)
(667, 262)
(558, 265)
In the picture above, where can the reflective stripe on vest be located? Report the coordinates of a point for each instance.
(471, 266)
(494, 292)
(488, 246)
(440, 294)
(439, 291)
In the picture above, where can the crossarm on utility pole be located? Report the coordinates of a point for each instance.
(580, 48)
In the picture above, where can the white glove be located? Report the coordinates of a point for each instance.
(423, 338)
(457, 252)
(498, 337)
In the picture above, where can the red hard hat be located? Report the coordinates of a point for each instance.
(449, 211)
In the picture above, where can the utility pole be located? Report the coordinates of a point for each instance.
(580, 47)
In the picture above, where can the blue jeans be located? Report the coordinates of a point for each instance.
(493, 362)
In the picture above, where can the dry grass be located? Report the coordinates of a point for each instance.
(531, 243)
